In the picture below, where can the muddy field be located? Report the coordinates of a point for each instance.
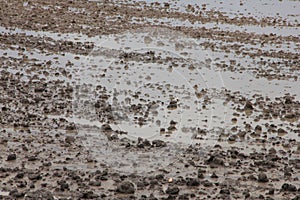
(149, 100)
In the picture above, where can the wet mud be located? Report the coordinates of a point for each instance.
(149, 100)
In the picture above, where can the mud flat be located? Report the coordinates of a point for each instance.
(149, 100)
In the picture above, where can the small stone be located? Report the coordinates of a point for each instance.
(173, 123)
(224, 191)
(281, 132)
(11, 157)
(126, 187)
(258, 128)
(20, 175)
(158, 143)
(200, 175)
(246, 194)
(146, 142)
(192, 182)
(214, 175)
(215, 161)
(32, 158)
(172, 105)
(271, 191)
(252, 177)
(36, 176)
(69, 139)
(71, 127)
(63, 185)
(288, 100)
(262, 177)
(288, 187)
(106, 128)
(206, 183)
(172, 190)
(248, 106)
(232, 138)
(172, 128)
(16, 194)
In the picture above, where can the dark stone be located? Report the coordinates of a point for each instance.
(20, 175)
(224, 191)
(69, 139)
(288, 187)
(140, 145)
(159, 176)
(200, 175)
(246, 194)
(252, 177)
(11, 157)
(126, 187)
(172, 105)
(63, 185)
(142, 184)
(214, 175)
(147, 143)
(71, 127)
(206, 183)
(95, 183)
(32, 158)
(192, 182)
(281, 131)
(35, 176)
(262, 177)
(153, 182)
(173, 122)
(158, 143)
(16, 194)
(106, 128)
(21, 184)
(172, 190)
(271, 191)
(214, 161)
(248, 106)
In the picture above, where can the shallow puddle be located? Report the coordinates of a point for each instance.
(172, 92)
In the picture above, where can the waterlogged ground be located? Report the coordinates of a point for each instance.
(149, 100)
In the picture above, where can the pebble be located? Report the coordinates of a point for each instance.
(172, 190)
(288, 187)
(214, 161)
(126, 187)
(70, 139)
(159, 143)
(262, 177)
(11, 157)
(248, 106)
(224, 191)
(207, 183)
(34, 176)
(192, 182)
(214, 175)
